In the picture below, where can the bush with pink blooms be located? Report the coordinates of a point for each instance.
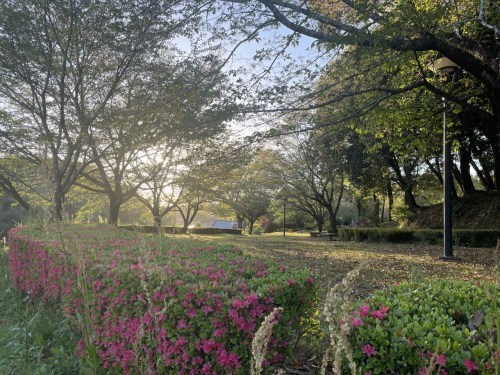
(160, 305)
(435, 327)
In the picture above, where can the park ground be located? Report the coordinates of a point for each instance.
(383, 264)
(29, 329)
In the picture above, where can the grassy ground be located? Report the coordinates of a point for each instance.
(383, 264)
(34, 337)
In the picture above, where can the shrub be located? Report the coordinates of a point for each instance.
(167, 305)
(461, 237)
(403, 329)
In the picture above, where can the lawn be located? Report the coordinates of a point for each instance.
(383, 264)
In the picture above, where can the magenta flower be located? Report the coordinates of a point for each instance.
(422, 371)
(356, 322)
(369, 350)
(470, 365)
(364, 310)
(441, 360)
(380, 313)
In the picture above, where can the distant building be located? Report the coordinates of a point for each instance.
(225, 224)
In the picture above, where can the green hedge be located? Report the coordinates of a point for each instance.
(403, 329)
(461, 237)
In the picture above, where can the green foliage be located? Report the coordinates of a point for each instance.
(461, 237)
(35, 338)
(408, 324)
(10, 215)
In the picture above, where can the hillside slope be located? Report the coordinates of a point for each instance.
(480, 210)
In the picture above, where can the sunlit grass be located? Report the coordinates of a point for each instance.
(386, 263)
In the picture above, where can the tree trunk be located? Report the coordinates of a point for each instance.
(390, 196)
(410, 199)
(333, 221)
(465, 160)
(319, 222)
(382, 213)
(58, 203)
(359, 207)
(157, 223)
(114, 209)
(250, 226)
(376, 209)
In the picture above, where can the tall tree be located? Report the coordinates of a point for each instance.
(392, 44)
(62, 63)
(315, 172)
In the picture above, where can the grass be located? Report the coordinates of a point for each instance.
(35, 338)
(386, 263)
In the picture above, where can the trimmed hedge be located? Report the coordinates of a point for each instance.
(152, 229)
(172, 230)
(403, 329)
(166, 306)
(461, 237)
(215, 231)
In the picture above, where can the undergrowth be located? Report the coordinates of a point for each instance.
(35, 338)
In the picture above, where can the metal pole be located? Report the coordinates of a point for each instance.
(284, 216)
(447, 204)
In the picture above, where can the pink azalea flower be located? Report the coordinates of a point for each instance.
(441, 360)
(369, 350)
(422, 371)
(364, 310)
(470, 365)
(356, 322)
(380, 314)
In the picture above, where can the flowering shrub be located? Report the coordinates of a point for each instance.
(439, 327)
(165, 306)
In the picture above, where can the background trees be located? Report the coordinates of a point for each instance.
(89, 92)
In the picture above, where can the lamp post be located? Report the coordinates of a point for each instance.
(445, 66)
(284, 215)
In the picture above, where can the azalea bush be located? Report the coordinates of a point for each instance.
(157, 306)
(438, 327)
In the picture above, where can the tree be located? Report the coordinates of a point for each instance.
(314, 173)
(248, 184)
(62, 64)
(390, 45)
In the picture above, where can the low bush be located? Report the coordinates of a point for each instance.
(461, 237)
(442, 326)
(215, 231)
(162, 306)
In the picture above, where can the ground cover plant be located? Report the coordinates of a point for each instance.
(385, 265)
(35, 337)
(150, 306)
(430, 327)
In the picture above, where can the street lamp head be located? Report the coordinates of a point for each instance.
(444, 65)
